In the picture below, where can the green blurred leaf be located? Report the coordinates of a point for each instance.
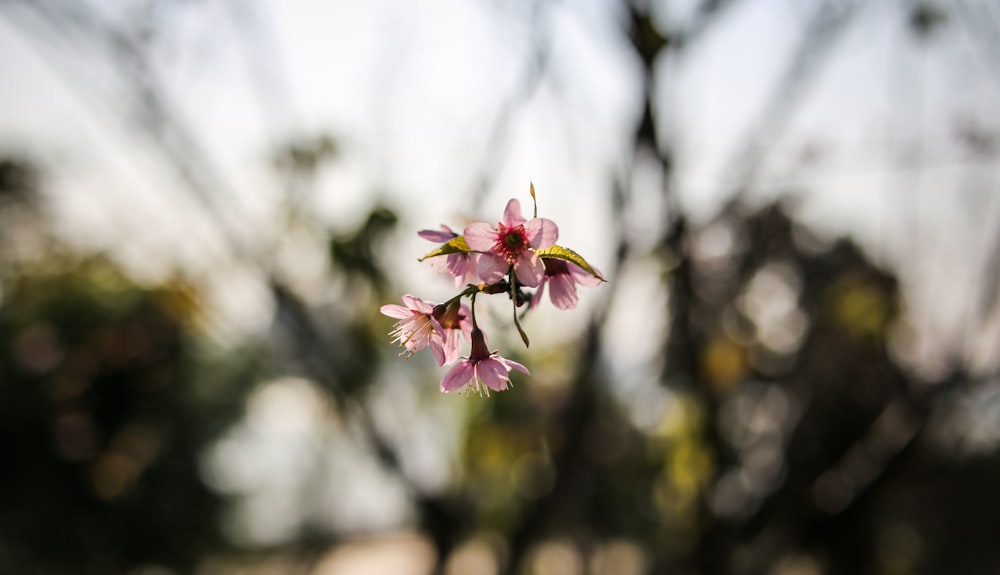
(561, 253)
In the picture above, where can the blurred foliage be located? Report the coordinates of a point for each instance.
(784, 433)
(104, 405)
(788, 444)
(356, 254)
(305, 157)
(18, 180)
(791, 440)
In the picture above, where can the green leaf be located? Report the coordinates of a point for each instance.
(452, 246)
(561, 253)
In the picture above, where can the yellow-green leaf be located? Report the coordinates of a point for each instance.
(452, 246)
(559, 252)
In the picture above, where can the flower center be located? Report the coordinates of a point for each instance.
(511, 242)
(412, 333)
(450, 316)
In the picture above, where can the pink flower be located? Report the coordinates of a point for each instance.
(562, 277)
(482, 370)
(423, 324)
(455, 322)
(461, 266)
(511, 244)
(416, 326)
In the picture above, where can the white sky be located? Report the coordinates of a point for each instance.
(413, 94)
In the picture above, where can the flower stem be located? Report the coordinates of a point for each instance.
(513, 298)
(472, 305)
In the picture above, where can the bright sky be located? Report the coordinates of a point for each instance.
(413, 96)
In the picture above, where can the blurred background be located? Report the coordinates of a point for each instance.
(793, 369)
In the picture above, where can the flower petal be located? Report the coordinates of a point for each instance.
(443, 235)
(457, 376)
(512, 214)
(583, 277)
(480, 236)
(396, 311)
(511, 364)
(537, 298)
(542, 233)
(493, 374)
(491, 268)
(471, 274)
(530, 269)
(417, 304)
(439, 265)
(449, 343)
(465, 323)
(562, 291)
(438, 351)
(459, 266)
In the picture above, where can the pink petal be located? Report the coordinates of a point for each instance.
(562, 291)
(439, 265)
(471, 275)
(511, 364)
(457, 376)
(458, 267)
(491, 268)
(542, 233)
(512, 214)
(466, 322)
(444, 235)
(537, 298)
(449, 343)
(530, 269)
(417, 304)
(396, 311)
(480, 236)
(493, 374)
(583, 277)
(440, 354)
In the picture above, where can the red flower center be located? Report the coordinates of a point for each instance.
(510, 242)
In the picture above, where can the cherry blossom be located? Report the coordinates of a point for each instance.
(460, 265)
(562, 277)
(454, 319)
(416, 326)
(482, 371)
(486, 261)
(512, 243)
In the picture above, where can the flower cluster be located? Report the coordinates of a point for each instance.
(487, 259)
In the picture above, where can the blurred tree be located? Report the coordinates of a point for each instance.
(786, 446)
(105, 403)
